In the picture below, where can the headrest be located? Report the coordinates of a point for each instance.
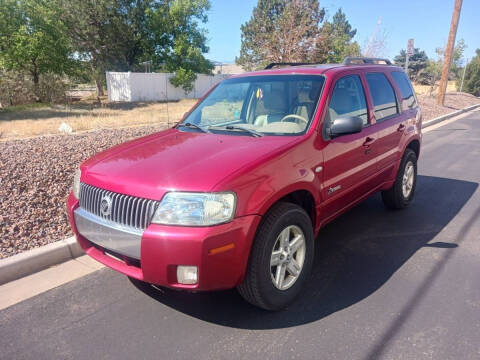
(274, 101)
(304, 96)
(341, 101)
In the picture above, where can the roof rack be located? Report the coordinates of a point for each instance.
(365, 60)
(272, 65)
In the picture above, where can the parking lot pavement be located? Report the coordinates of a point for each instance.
(386, 284)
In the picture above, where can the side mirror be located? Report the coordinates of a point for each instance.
(346, 125)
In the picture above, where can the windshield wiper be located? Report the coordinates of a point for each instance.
(195, 126)
(241, 128)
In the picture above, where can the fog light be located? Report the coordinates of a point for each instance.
(187, 275)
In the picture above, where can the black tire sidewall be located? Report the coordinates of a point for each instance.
(272, 297)
(409, 156)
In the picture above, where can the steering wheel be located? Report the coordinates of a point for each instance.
(294, 116)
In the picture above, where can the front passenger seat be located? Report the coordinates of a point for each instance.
(275, 108)
(304, 106)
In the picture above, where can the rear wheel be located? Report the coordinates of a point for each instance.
(400, 195)
(281, 258)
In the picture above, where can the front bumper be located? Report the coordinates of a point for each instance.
(162, 248)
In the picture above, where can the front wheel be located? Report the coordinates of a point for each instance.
(281, 258)
(400, 195)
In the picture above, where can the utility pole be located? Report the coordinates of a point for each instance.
(449, 51)
(409, 52)
(463, 75)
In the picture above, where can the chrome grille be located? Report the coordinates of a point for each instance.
(127, 210)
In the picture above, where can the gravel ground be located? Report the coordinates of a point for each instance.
(453, 102)
(36, 176)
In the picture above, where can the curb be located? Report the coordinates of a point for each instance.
(32, 261)
(448, 116)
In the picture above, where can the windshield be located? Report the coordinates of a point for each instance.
(269, 105)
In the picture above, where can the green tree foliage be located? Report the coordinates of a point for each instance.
(280, 31)
(417, 62)
(335, 40)
(120, 34)
(472, 76)
(33, 40)
(177, 42)
(456, 64)
(432, 72)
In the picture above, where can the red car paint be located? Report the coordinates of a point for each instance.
(261, 171)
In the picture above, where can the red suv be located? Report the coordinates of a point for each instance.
(235, 194)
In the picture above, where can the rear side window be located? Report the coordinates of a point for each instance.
(348, 99)
(383, 96)
(408, 98)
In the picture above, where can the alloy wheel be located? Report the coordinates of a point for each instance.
(288, 257)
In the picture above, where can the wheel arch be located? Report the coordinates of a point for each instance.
(415, 146)
(302, 196)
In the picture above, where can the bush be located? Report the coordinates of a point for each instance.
(52, 88)
(15, 89)
(18, 89)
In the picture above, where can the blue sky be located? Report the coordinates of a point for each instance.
(427, 21)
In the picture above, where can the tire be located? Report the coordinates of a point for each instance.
(260, 286)
(396, 197)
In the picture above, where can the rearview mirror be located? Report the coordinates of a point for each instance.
(346, 125)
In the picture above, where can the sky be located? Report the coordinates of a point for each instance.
(426, 21)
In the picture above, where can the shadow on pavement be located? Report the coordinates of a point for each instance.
(354, 256)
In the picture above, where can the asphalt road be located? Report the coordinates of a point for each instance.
(386, 284)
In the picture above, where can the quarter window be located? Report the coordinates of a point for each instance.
(348, 99)
(383, 96)
(408, 97)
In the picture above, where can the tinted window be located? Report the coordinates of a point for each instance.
(408, 98)
(348, 99)
(383, 96)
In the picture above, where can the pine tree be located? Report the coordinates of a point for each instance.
(335, 40)
(280, 31)
(472, 75)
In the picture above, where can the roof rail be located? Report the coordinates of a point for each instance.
(365, 60)
(272, 65)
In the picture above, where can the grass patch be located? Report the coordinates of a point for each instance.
(24, 107)
(27, 121)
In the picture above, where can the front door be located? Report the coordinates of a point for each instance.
(349, 160)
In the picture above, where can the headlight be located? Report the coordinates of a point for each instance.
(195, 209)
(76, 184)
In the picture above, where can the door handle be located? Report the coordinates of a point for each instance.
(368, 141)
(401, 128)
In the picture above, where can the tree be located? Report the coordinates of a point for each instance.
(458, 50)
(472, 75)
(376, 45)
(33, 40)
(177, 41)
(416, 62)
(433, 70)
(335, 40)
(280, 31)
(118, 35)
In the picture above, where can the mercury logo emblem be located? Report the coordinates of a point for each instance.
(106, 206)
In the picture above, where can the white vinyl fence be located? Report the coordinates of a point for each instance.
(129, 86)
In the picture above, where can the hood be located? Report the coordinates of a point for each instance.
(175, 160)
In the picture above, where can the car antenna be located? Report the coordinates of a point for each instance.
(166, 95)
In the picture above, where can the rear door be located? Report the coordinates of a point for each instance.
(390, 122)
(349, 160)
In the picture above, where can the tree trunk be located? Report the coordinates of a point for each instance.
(36, 81)
(98, 77)
(100, 92)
